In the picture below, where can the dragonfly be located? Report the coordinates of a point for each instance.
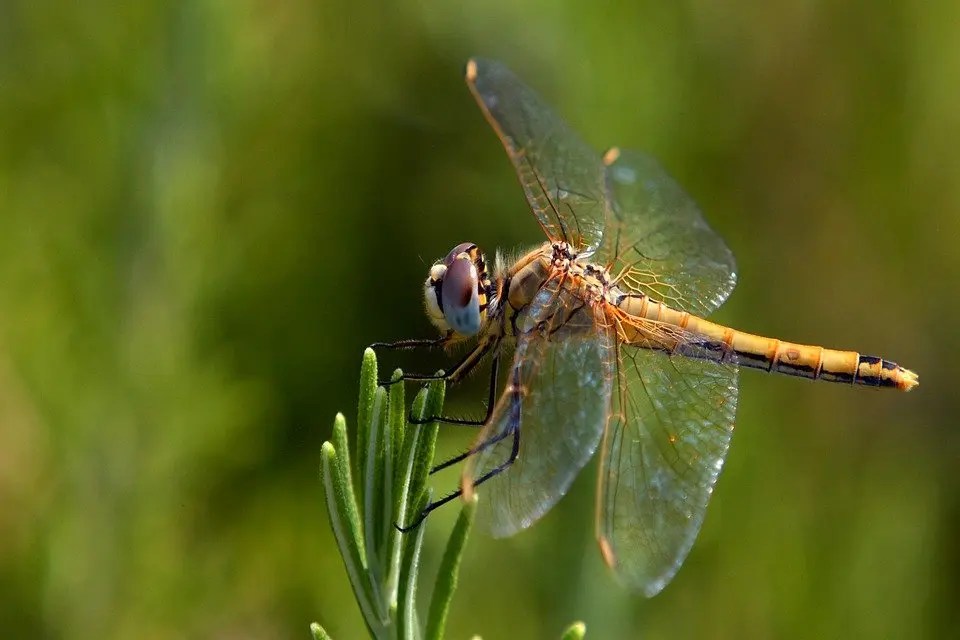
(601, 335)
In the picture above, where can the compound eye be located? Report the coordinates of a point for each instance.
(456, 251)
(459, 298)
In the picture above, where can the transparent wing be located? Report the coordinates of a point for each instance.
(657, 240)
(562, 177)
(641, 220)
(551, 413)
(662, 453)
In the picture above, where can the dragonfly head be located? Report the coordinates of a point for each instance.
(456, 291)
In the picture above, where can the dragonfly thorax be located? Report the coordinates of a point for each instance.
(456, 291)
(563, 255)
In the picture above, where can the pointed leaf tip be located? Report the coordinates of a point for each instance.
(576, 631)
(368, 387)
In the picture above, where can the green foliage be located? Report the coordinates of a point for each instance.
(381, 562)
(576, 631)
(391, 471)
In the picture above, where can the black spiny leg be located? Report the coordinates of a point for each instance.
(491, 400)
(460, 371)
(436, 504)
(457, 372)
(409, 345)
(512, 429)
(413, 343)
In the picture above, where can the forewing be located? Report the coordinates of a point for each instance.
(554, 408)
(662, 453)
(657, 239)
(562, 177)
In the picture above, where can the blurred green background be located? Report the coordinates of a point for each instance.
(208, 209)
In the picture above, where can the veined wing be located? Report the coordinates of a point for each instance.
(657, 241)
(562, 177)
(551, 414)
(662, 453)
(645, 226)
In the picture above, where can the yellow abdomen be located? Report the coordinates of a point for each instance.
(758, 352)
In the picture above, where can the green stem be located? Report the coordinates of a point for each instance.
(392, 465)
(341, 514)
(447, 574)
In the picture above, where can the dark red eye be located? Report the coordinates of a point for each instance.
(459, 285)
(460, 299)
(457, 250)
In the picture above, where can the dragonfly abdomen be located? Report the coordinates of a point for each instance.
(771, 354)
(819, 363)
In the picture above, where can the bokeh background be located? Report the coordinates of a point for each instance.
(208, 209)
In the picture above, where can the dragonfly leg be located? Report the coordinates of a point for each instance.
(512, 430)
(426, 511)
(455, 374)
(409, 345)
(491, 400)
(514, 452)
(471, 452)
(436, 504)
(414, 343)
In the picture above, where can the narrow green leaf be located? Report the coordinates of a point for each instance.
(318, 632)
(394, 622)
(339, 512)
(427, 441)
(393, 490)
(342, 469)
(393, 426)
(407, 590)
(373, 487)
(576, 631)
(404, 465)
(398, 419)
(446, 582)
(368, 386)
